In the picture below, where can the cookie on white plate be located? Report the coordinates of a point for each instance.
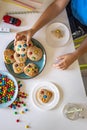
(44, 95)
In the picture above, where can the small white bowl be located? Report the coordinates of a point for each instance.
(54, 41)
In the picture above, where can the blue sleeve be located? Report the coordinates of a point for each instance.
(79, 10)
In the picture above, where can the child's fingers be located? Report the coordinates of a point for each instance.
(57, 66)
(28, 39)
(60, 58)
(60, 65)
(20, 37)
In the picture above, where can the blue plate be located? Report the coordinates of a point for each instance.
(41, 63)
(16, 89)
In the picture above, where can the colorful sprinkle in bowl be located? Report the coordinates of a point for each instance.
(8, 89)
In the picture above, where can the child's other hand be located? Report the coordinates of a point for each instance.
(65, 61)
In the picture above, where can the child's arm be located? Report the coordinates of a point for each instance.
(66, 60)
(50, 13)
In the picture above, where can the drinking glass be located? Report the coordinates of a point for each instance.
(75, 111)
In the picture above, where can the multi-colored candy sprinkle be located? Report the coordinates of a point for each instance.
(19, 100)
(7, 89)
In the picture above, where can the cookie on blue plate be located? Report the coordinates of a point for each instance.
(20, 58)
(18, 67)
(21, 47)
(34, 53)
(31, 69)
(9, 56)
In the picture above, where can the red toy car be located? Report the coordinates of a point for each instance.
(12, 20)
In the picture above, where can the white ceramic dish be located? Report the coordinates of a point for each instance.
(54, 41)
(55, 98)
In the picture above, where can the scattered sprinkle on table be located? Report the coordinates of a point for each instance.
(27, 126)
(19, 100)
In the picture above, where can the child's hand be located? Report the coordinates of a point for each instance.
(65, 61)
(24, 35)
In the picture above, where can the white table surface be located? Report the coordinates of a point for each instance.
(69, 81)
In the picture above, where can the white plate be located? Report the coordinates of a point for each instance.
(53, 40)
(53, 102)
